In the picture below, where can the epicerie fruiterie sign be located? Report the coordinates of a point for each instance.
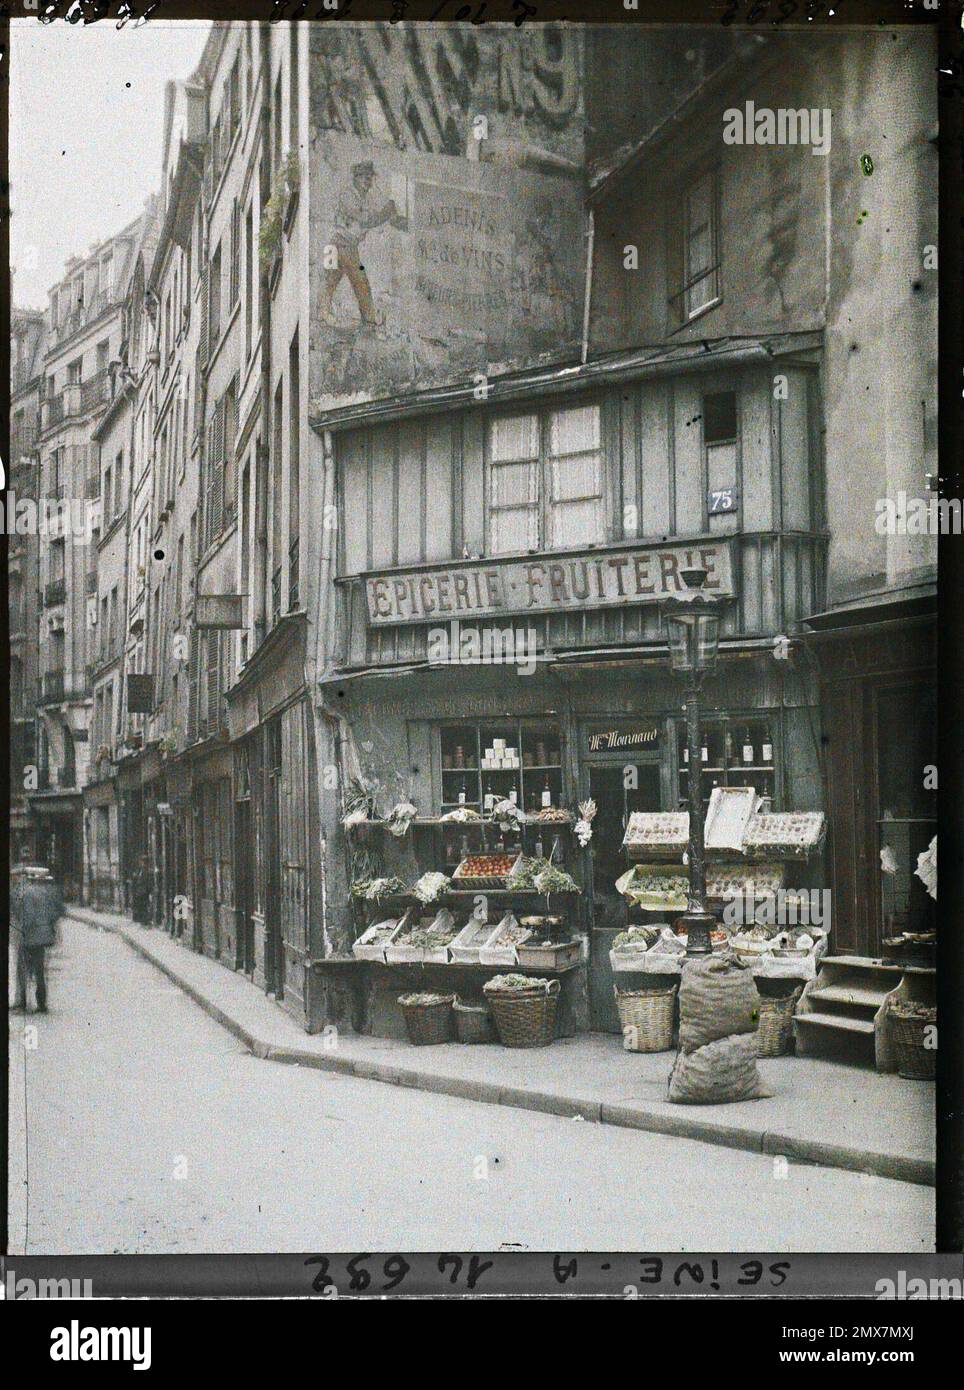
(543, 584)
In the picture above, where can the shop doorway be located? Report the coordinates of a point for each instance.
(274, 960)
(905, 738)
(244, 872)
(618, 788)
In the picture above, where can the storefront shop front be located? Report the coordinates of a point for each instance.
(269, 805)
(879, 711)
(566, 741)
(496, 627)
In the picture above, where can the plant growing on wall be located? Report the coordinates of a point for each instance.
(286, 182)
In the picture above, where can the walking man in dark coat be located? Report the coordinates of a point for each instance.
(37, 906)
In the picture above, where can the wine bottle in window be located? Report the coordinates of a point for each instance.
(747, 745)
(767, 746)
(489, 802)
(547, 792)
(462, 793)
(513, 796)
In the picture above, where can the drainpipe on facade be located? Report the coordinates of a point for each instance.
(587, 298)
(260, 584)
(321, 663)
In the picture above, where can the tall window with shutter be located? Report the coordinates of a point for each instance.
(513, 484)
(575, 489)
(214, 475)
(212, 682)
(194, 687)
(214, 301)
(693, 250)
(546, 481)
(235, 277)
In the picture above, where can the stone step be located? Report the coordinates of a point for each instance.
(864, 964)
(855, 996)
(838, 1022)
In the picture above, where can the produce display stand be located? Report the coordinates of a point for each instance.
(440, 844)
(747, 853)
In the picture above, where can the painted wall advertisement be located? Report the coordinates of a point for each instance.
(434, 259)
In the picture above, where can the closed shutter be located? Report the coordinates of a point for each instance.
(202, 347)
(212, 713)
(235, 277)
(575, 478)
(216, 473)
(513, 484)
(194, 682)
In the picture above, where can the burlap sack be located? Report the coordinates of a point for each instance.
(717, 999)
(721, 1071)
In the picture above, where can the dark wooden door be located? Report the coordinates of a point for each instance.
(274, 967)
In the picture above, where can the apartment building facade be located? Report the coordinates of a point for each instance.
(753, 319)
(431, 337)
(83, 337)
(23, 571)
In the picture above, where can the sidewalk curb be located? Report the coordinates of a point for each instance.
(899, 1167)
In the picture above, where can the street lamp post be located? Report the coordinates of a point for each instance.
(692, 623)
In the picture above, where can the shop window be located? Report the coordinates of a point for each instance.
(737, 751)
(545, 481)
(483, 763)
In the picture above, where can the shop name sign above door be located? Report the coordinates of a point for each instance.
(546, 584)
(609, 740)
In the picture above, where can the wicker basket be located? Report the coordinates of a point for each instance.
(646, 1018)
(525, 1017)
(428, 1023)
(473, 1022)
(914, 1060)
(775, 1029)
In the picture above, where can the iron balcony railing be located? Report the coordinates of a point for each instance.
(54, 687)
(96, 391)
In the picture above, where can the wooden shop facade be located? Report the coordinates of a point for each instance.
(496, 629)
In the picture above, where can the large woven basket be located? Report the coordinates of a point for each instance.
(775, 1029)
(428, 1023)
(914, 1060)
(473, 1022)
(646, 1018)
(525, 1017)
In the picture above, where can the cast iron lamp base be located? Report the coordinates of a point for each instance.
(698, 926)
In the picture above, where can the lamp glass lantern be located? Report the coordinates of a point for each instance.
(692, 623)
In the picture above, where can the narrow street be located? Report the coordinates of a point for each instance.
(145, 1127)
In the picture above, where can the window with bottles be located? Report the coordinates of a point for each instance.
(736, 751)
(501, 760)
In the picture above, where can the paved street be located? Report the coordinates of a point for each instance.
(145, 1127)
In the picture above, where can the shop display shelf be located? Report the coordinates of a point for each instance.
(498, 951)
(366, 948)
(549, 955)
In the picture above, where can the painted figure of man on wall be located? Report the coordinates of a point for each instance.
(356, 215)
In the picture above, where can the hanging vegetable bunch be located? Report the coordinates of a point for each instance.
(400, 817)
(507, 815)
(359, 802)
(583, 826)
